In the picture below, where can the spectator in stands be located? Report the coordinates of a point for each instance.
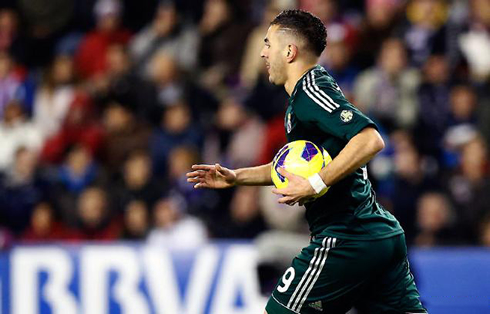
(280, 217)
(136, 221)
(208, 205)
(72, 177)
(249, 131)
(79, 169)
(483, 114)
(424, 30)
(173, 87)
(245, 213)
(6, 238)
(166, 75)
(252, 64)
(118, 82)
(137, 182)
(176, 128)
(16, 132)
(222, 30)
(21, 188)
(238, 215)
(379, 23)
(14, 42)
(435, 220)
(433, 106)
(328, 11)
(331, 15)
(54, 96)
(9, 34)
(388, 92)
(181, 158)
(172, 227)
(80, 127)
(90, 59)
(236, 130)
(43, 21)
(342, 39)
(9, 81)
(409, 183)
(477, 39)
(124, 133)
(274, 139)
(461, 123)
(44, 226)
(95, 219)
(462, 104)
(168, 32)
(337, 62)
(468, 187)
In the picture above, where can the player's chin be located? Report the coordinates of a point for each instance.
(272, 80)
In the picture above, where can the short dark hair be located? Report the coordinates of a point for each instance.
(306, 25)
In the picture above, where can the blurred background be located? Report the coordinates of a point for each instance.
(105, 105)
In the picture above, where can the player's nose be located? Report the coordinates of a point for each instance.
(262, 53)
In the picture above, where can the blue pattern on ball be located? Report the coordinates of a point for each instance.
(309, 152)
(280, 163)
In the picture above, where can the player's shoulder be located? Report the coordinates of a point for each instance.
(318, 89)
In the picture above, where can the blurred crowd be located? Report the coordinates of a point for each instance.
(105, 105)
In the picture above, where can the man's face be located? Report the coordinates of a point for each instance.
(273, 54)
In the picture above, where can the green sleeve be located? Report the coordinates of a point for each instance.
(327, 109)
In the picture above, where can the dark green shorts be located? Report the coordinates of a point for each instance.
(333, 275)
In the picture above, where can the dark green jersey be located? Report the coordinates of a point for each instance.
(319, 112)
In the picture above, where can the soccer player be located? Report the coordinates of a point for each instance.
(357, 255)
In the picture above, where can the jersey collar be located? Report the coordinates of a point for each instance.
(302, 77)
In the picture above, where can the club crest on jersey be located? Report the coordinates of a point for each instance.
(288, 123)
(346, 115)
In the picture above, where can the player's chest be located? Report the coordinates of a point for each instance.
(299, 130)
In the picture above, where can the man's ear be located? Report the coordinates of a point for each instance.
(291, 53)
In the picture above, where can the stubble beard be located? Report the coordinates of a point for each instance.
(276, 79)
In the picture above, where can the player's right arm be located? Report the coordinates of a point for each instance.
(219, 177)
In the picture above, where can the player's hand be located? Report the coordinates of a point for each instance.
(299, 190)
(211, 176)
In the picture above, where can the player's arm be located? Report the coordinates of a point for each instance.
(358, 152)
(260, 175)
(219, 177)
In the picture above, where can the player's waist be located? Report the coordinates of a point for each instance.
(363, 236)
(352, 226)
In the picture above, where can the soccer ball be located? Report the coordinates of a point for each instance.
(302, 158)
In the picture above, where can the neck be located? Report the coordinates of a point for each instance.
(295, 74)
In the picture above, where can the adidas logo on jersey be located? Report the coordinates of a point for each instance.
(316, 305)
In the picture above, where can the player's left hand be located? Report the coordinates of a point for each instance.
(299, 190)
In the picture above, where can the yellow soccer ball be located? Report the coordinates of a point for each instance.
(302, 158)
